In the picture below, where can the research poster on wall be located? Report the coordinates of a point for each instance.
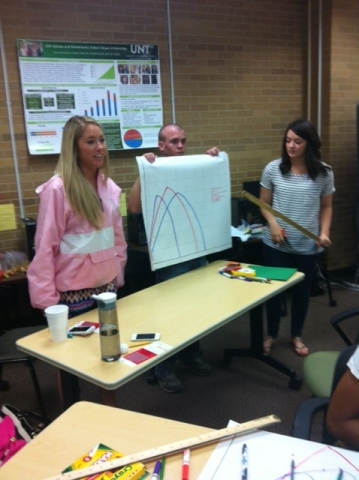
(117, 85)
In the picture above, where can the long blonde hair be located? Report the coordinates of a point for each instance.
(79, 193)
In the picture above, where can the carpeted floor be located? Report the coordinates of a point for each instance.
(245, 390)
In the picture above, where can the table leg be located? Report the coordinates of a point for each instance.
(108, 397)
(256, 349)
(70, 389)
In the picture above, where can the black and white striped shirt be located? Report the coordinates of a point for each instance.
(298, 197)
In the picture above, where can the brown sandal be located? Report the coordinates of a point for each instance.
(299, 348)
(268, 343)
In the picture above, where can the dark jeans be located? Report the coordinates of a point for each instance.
(192, 351)
(300, 292)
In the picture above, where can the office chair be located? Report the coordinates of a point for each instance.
(307, 410)
(10, 354)
(318, 367)
(351, 313)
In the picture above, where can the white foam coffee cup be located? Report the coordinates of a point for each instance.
(57, 317)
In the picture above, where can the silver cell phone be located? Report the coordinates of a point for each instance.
(145, 337)
(81, 330)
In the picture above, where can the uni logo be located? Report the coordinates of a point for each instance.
(140, 49)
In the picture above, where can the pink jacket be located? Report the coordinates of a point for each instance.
(70, 253)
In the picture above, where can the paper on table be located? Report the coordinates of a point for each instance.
(311, 460)
(146, 353)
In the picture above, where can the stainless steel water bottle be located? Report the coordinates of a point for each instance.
(109, 331)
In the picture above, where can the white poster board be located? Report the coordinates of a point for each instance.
(269, 456)
(186, 207)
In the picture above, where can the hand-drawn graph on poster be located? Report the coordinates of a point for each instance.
(269, 456)
(186, 207)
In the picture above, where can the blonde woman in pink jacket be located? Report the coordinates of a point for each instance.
(80, 244)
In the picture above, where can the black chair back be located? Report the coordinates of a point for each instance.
(341, 364)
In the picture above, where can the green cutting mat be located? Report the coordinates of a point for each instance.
(273, 273)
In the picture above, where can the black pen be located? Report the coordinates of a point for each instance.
(292, 468)
(244, 462)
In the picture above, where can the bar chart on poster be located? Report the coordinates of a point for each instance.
(186, 207)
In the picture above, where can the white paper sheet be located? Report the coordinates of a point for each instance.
(269, 457)
(186, 207)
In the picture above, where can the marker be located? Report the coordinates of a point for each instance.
(245, 278)
(156, 470)
(340, 474)
(244, 462)
(252, 279)
(260, 279)
(226, 274)
(185, 464)
(162, 473)
(292, 469)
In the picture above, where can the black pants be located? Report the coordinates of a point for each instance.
(300, 292)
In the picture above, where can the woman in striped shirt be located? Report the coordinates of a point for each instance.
(300, 186)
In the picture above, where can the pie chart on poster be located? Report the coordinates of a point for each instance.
(133, 138)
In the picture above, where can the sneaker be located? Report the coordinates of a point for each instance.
(170, 383)
(199, 367)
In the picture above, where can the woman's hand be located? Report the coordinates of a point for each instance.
(277, 233)
(324, 241)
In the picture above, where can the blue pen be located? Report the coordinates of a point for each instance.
(156, 470)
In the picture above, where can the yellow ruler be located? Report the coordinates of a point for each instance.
(169, 449)
(251, 198)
